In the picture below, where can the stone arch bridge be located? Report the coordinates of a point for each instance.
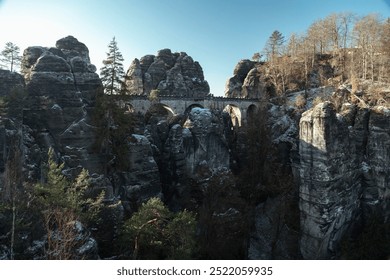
(239, 108)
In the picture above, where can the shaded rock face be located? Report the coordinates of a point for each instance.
(246, 81)
(330, 186)
(376, 168)
(62, 85)
(271, 238)
(343, 172)
(142, 180)
(66, 68)
(188, 150)
(204, 142)
(175, 74)
(9, 81)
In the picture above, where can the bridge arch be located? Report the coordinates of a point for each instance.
(189, 108)
(235, 114)
(251, 112)
(159, 110)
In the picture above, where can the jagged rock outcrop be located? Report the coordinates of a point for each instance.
(246, 81)
(175, 74)
(187, 150)
(62, 85)
(142, 179)
(343, 172)
(203, 132)
(61, 88)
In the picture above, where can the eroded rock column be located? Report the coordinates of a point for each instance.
(330, 186)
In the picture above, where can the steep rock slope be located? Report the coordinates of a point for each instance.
(330, 186)
(344, 174)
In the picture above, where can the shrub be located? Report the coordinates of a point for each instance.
(300, 101)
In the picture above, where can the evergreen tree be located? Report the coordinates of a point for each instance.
(10, 55)
(112, 73)
(154, 232)
(274, 44)
(62, 203)
(60, 192)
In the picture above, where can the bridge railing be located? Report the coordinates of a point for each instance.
(187, 98)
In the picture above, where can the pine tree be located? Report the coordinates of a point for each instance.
(60, 192)
(155, 232)
(112, 73)
(10, 55)
(274, 44)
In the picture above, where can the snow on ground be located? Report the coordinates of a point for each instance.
(322, 92)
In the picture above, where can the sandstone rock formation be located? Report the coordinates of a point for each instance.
(10, 81)
(330, 186)
(343, 172)
(175, 74)
(246, 81)
(61, 88)
(62, 85)
(187, 150)
(142, 180)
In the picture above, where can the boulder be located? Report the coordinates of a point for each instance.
(51, 63)
(252, 87)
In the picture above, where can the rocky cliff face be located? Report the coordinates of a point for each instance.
(343, 172)
(175, 74)
(376, 171)
(60, 90)
(9, 81)
(246, 81)
(62, 86)
(330, 185)
(187, 149)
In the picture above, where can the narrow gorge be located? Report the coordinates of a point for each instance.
(272, 179)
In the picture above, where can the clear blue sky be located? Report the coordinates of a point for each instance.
(217, 33)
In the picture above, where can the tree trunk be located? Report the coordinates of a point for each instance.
(13, 228)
